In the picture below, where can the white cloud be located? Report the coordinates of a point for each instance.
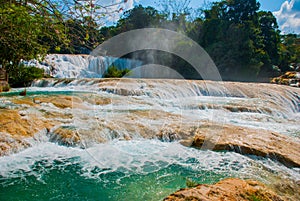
(288, 16)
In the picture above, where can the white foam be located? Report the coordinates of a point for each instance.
(144, 156)
(135, 157)
(80, 66)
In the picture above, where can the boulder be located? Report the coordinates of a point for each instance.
(65, 135)
(229, 190)
(248, 141)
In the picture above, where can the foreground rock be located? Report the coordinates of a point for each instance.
(16, 127)
(229, 190)
(248, 141)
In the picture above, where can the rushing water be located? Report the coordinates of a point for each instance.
(143, 168)
(119, 170)
(81, 66)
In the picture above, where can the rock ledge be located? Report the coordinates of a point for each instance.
(229, 190)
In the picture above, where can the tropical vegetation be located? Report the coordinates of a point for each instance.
(244, 41)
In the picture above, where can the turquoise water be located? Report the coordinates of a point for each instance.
(122, 170)
(67, 183)
(138, 169)
(133, 170)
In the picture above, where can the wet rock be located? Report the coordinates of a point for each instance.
(24, 101)
(9, 144)
(23, 93)
(61, 101)
(168, 135)
(95, 99)
(249, 142)
(101, 117)
(65, 135)
(229, 190)
(286, 188)
(16, 127)
(13, 123)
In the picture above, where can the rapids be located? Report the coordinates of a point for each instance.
(118, 139)
(253, 105)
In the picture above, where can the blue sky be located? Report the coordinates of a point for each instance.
(287, 12)
(271, 5)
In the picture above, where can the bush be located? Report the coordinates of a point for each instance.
(191, 183)
(22, 76)
(114, 72)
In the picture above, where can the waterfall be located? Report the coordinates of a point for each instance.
(235, 97)
(127, 130)
(81, 66)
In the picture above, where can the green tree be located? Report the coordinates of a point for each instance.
(269, 36)
(289, 51)
(83, 20)
(24, 25)
(240, 11)
(172, 8)
(137, 18)
(82, 38)
(240, 39)
(22, 75)
(140, 17)
(114, 72)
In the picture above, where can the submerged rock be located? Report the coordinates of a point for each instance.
(229, 190)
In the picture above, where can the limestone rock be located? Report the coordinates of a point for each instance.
(13, 123)
(248, 141)
(229, 190)
(16, 126)
(61, 101)
(66, 136)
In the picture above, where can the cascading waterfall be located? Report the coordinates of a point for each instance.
(81, 66)
(111, 139)
(286, 100)
(241, 104)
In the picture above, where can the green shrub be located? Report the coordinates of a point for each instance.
(255, 198)
(114, 72)
(22, 76)
(190, 183)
